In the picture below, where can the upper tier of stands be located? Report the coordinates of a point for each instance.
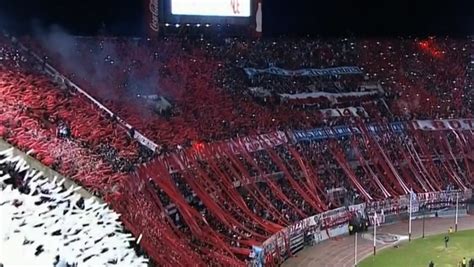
(208, 88)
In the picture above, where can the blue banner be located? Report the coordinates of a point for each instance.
(304, 72)
(343, 131)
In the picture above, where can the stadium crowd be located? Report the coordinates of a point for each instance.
(204, 196)
(418, 78)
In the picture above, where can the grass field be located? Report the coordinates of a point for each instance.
(419, 252)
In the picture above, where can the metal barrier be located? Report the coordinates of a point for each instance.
(335, 223)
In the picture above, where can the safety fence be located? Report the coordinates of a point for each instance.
(334, 223)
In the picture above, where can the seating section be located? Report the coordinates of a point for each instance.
(206, 83)
(219, 186)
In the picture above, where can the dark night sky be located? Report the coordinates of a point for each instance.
(329, 17)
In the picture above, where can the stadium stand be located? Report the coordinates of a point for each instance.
(235, 168)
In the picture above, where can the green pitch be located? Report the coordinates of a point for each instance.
(419, 252)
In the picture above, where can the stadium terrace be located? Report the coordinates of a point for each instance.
(237, 151)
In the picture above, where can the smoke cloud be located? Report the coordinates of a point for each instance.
(105, 67)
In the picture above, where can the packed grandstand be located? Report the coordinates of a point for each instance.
(207, 148)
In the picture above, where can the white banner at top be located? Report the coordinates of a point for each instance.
(255, 143)
(304, 72)
(440, 125)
